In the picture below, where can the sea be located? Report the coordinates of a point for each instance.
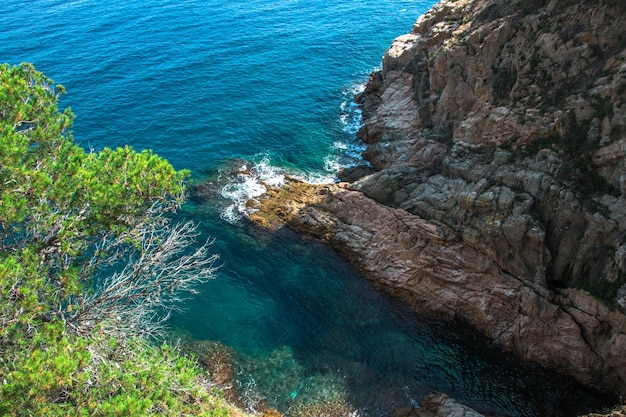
(242, 93)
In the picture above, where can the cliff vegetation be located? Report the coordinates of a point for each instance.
(90, 266)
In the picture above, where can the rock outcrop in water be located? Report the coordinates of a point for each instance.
(497, 132)
(438, 405)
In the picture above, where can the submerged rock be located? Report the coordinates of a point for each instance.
(438, 405)
(218, 360)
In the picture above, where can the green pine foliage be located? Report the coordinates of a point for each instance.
(60, 207)
(104, 377)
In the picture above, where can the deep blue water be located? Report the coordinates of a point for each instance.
(265, 87)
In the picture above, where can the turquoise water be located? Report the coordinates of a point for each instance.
(222, 87)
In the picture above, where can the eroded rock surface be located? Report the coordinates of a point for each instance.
(497, 133)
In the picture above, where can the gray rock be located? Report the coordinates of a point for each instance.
(352, 174)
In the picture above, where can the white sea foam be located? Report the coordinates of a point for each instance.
(316, 177)
(247, 183)
(352, 150)
(346, 155)
(351, 115)
(348, 151)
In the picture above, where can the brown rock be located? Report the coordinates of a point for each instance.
(443, 406)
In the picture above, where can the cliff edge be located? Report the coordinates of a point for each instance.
(497, 135)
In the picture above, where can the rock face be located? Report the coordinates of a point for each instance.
(497, 132)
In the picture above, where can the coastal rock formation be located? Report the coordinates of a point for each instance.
(620, 412)
(497, 133)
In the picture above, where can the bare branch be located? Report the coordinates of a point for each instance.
(138, 299)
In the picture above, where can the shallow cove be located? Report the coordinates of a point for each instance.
(309, 329)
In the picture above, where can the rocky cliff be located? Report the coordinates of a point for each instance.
(496, 131)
